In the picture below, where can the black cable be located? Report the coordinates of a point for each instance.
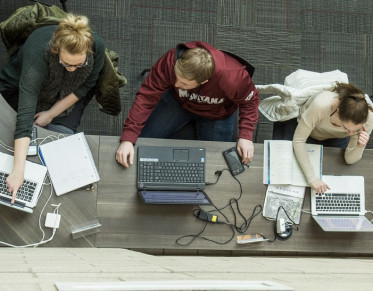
(207, 216)
(232, 201)
(198, 235)
(245, 225)
(288, 229)
(278, 210)
(217, 179)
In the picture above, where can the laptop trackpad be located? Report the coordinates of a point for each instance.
(181, 155)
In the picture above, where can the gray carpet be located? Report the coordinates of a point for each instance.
(277, 37)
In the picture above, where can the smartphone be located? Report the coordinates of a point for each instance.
(233, 161)
(33, 147)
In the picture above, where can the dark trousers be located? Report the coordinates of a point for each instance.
(71, 121)
(284, 130)
(168, 117)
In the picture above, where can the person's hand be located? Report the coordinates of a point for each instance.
(319, 186)
(362, 138)
(14, 182)
(125, 153)
(245, 149)
(43, 118)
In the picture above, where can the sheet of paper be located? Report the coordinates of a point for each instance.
(314, 152)
(289, 197)
(280, 162)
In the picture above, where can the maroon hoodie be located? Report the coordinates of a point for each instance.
(230, 87)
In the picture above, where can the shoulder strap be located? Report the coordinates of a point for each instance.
(249, 68)
(180, 49)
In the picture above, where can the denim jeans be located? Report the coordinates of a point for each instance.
(168, 117)
(59, 128)
(284, 130)
(67, 124)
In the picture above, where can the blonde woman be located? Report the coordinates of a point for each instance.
(48, 82)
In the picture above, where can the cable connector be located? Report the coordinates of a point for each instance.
(207, 216)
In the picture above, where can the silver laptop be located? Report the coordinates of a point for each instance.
(29, 193)
(342, 208)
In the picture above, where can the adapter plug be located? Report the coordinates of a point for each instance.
(52, 220)
(283, 231)
(281, 226)
(204, 215)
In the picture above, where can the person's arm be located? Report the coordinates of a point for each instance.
(15, 178)
(247, 97)
(43, 118)
(358, 142)
(159, 80)
(308, 121)
(245, 149)
(125, 153)
(301, 134)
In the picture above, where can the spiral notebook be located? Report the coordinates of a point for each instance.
(70, 163)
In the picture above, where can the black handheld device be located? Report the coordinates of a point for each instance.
(233, 161)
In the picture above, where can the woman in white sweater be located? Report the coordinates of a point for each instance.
(341, 118)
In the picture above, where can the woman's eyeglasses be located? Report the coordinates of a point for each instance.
(73, 66)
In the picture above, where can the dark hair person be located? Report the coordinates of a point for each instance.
(342, 115)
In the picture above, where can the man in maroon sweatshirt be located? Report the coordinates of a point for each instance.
(204, 84)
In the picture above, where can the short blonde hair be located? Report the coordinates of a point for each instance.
(195, 64)
(73, 34)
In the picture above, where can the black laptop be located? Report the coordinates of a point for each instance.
(171, 175)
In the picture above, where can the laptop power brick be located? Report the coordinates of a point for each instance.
(52, 220)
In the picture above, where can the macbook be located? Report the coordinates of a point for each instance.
(28, 194)
(342, 208)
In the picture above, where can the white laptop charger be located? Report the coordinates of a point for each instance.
(52, 220)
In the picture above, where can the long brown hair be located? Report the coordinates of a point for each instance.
(353, 107)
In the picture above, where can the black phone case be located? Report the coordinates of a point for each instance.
(233, 161)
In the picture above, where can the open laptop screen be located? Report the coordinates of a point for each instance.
(344, 223)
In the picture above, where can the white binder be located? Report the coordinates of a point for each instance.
(70, 163)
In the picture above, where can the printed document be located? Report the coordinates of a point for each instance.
(290, 197)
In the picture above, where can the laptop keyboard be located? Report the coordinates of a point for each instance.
(165, 172)
(24, 193)
(174, 197)
(346, 202)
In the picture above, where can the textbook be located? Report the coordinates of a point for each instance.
(281, 166)
(70, 163)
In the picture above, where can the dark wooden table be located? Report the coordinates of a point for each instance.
(77, 208)
(128, 223)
